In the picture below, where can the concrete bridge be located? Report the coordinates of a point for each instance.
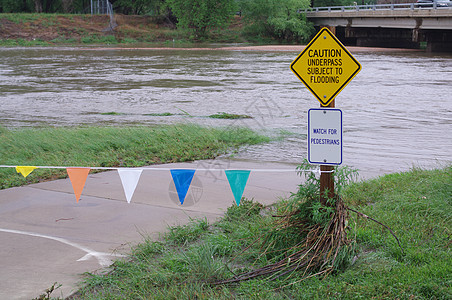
(388, 25)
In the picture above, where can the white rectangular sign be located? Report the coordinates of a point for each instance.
(325, 136)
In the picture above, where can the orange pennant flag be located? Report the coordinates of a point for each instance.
(78, 178)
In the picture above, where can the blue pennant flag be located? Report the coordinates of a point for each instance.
(182, 180)
(237, 181)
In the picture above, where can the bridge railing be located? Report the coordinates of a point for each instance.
(367, 7)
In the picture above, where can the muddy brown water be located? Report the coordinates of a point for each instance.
(397, 112)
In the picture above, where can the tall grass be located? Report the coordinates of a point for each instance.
(112, 147)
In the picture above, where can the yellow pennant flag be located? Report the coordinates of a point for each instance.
(25, 170)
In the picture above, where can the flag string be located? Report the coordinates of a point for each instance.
(169, 169)
(182, 177)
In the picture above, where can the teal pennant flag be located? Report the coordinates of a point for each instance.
(182, 180)
(237, 181)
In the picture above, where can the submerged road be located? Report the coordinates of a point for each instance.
(47, 237)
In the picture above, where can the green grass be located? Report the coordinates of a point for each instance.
(184, 262)
(223, 115)
(99, 39)
(114, 113)
(62, 39)
(20, 18)
(22, 43)
(111, 147)
(128, 41)
(111, 113)
(165, 114)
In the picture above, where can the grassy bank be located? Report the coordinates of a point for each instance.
(28, 29)
(185, 262)
(111, 147)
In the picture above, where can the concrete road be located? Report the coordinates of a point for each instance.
(47, 237)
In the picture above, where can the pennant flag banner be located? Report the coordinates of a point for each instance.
(129, 179)
(237, 181)
(182, 179)
(25, 170)
(78, 178)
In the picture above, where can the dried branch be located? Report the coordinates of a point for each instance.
(387, 227)
(316, 253)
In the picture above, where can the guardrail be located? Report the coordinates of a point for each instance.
(367, 7)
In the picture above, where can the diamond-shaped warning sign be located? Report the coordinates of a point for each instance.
(325, 66)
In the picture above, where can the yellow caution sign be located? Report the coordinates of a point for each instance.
(325, 66)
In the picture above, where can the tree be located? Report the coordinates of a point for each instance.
(68, 6)
(326, 3)
(201, 15)
(277, 19)
(131, 7)
(81, 6)
(14, 6)
(38, 6)
(48, 6)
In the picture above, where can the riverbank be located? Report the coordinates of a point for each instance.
(129, 32)
(257, 48)
(111, 147)
(59, 29)
(186, 261)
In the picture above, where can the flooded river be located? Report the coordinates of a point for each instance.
(397, 112)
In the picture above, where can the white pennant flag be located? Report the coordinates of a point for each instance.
(129, 179)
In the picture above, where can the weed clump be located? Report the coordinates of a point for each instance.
(247, 209)
(307, 236)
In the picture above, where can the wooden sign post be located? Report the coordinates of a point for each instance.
(326, 176)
